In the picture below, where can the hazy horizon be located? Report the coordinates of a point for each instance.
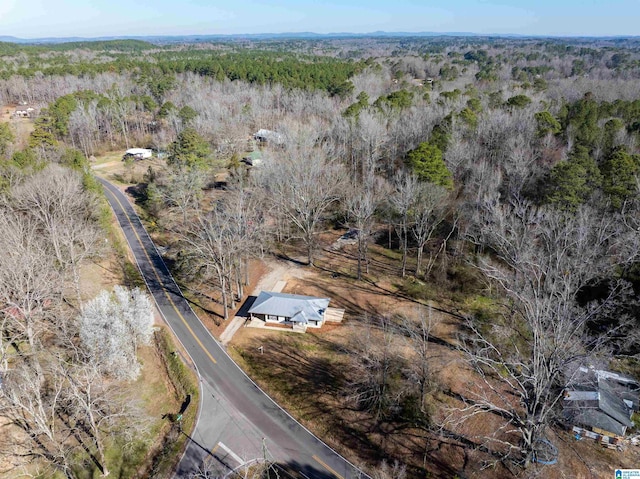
(32, 19)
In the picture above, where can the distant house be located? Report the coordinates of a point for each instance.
(289, 309)
(24, 112)
(137, 154)
(268, 136)
(602, 402)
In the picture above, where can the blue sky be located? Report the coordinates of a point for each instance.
(92, 18)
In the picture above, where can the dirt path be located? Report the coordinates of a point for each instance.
(106, 165)
(279, 270)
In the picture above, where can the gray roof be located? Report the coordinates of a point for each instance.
(603, 407)
(597, 418)
(613, 405)
(298, 308)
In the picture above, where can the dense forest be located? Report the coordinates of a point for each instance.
(503, 175)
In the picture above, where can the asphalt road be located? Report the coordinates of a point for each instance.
(237, 421)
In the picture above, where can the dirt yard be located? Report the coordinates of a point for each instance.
(306, 374)
(21, 127)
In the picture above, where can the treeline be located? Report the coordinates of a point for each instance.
(287, 69)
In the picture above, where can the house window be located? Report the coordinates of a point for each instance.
(271, 317)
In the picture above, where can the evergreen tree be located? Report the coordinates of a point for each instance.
(189, 150)
(619, 173)
(397, 100)
(572, 182)
(547, 124)
(6, 138)
(427, 164)
(518, 101)
(354, 109)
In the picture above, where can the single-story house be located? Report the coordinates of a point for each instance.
(290, 309)
(137, 153)
(601, 401)
(268, 136)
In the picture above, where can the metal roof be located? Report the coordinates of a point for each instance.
(298, 308)
(597, 418)
(613, 405)
(581, 396)
(138, 151)
(602, 406)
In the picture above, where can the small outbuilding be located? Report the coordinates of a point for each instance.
(289, 309)
(268, 136)
(137, 154)
(602, 402)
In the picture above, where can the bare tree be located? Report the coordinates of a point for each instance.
(31, 399)
(375, 367)
(361, 202)
(402, 200)
(301, 187)
(120, 109)
(246, 218)
(427, 214)
(83, 127)
(99, 409)
(220, 242)
(417, 333)
(541, 260)
(29, 282)
(252, 470)
(112, 326)
(386, 471)
(56, 199)
(183, 189)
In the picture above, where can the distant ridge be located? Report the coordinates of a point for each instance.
(287, 35)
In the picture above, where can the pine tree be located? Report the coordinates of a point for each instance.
(427, 164)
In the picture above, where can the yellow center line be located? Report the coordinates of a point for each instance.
(155, 271)
(322, 463)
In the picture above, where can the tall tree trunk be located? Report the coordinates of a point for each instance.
(310, 249)
(223, 290)
(404, 248)
(359, 256)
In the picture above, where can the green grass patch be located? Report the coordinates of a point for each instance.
(483, 308)
(182, 378)
(393, 254)
(132, 276)
(416, 289)
(185, 383)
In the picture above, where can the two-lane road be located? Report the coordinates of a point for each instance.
(237, 421)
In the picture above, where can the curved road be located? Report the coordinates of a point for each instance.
(237, 421)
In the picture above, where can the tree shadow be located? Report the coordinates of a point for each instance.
(287, 258)
(297, 470)
(138, 193)
(246, 306)
(315, 382)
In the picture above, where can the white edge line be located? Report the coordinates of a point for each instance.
(235, 457)
(227, 354)
(195, 365)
